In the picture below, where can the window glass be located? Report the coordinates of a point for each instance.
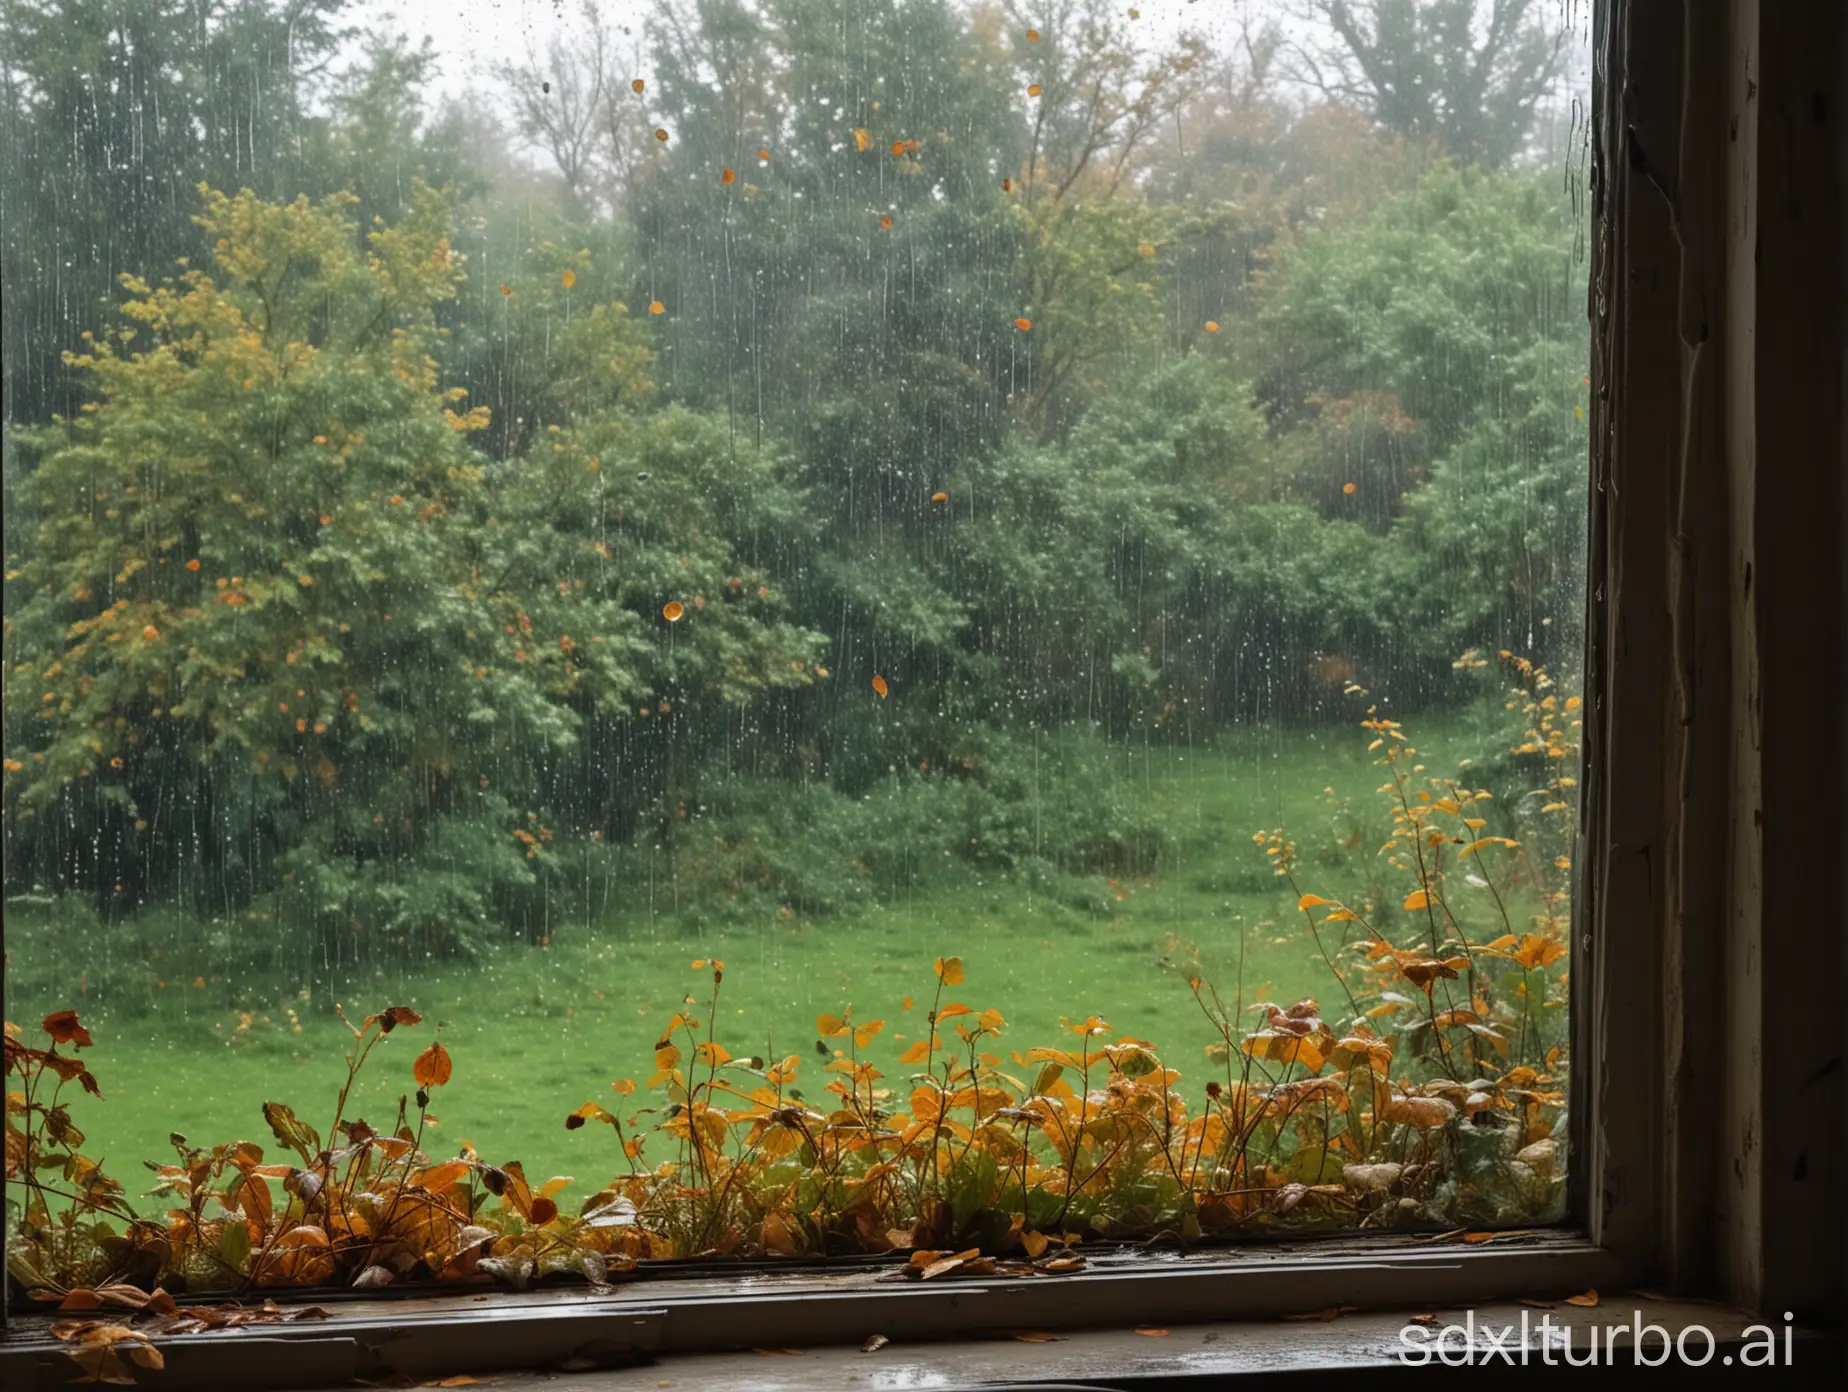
(863, 623)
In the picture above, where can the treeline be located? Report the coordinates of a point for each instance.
(407, 504)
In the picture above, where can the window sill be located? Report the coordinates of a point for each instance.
(478, 1332)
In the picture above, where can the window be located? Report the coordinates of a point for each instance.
(967, 617)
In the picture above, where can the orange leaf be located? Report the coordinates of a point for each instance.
(950, 971)
(1150, 1332)
(1588, 1299)
(433, 1067)
(64, 1029)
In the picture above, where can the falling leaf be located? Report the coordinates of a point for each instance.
(1349, 487)
(1023, 324)
(193, 564)
(1033, 89)
(1212, 326)
(1007, 186)
(672, 610)
(763, 157)
(569, 278)
(862, 138)
(940, 497)
(433, 1067)
(321, 439)
(151, 633)
(1146, 249)
(1585, 1301)
(886, 222)
(950, 971)
(728, 176)
(660, 135)
(656, 307)
(638, 86)
(879, 686)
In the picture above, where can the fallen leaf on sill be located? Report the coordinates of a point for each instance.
(1587, 1300)
(1538, 1304)
(1150, 1332)
(774, 1352)
(1333, 1312)
(1654, 1295)
(1492, 1236)
(1428, 1321)
(874, 1343)
(460, 1380)
(1032, 1336)
(1453, 1234)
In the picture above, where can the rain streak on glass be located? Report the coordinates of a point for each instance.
(972, 606)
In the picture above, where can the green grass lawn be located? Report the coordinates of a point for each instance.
(537, 1030)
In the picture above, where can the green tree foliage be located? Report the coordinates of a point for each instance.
(113, 111)
(281, 625)
(1427, 363)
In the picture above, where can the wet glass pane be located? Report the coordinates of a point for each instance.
(1042, 542)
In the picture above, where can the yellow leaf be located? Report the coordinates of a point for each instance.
(570, 279)
(1418, 899)
(1310, 901)
(950, 971)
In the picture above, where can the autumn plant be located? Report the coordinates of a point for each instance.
(1428, 1093)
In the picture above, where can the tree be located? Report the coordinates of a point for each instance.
(1466, 75)
(114, 110)
(1426, 379)
(285, 631)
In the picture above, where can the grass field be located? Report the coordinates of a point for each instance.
(537, 1030)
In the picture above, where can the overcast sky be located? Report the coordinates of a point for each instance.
(471, 35)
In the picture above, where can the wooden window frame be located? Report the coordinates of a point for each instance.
(1712, 867)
